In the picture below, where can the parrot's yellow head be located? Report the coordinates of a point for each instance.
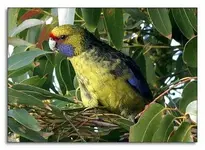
(67, 39)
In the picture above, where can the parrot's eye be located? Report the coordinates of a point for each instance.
(62, 37)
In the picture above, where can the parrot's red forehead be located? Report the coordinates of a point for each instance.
(53, 36)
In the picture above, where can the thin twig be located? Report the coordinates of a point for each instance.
(73, 126)
(183, 80)
(151, 46)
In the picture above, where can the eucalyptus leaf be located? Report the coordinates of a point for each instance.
(25, 132)
(19, 97)
(189, 94)
(25, 25)
(24, 58)
(24, 118)
(161, 21)
(183, 22)
(182, 134)
(91, 17)
(190, 53)
(114, 23)
(147, 125)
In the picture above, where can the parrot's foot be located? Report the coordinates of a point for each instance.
(75, 99)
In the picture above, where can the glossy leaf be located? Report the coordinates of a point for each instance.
(12, 18)
(44, 35)
(75, 82)
(67, 73)
(147, 125)
(24, 132)
(191, 109)
(20, 71)
(190, 53)
(45, 69)
(114, 23)
(165, 128)
(58, 59)
(24, 118)
(25, 25)
(31, 13)
(64, 73)
(161, 21)
(182, 134)
(24, 58)
(33, 34)
(35, 81)
(183, 22)
(136, 14)
(15, 96)
(139, 58)
(124, 123)
(40, 91)
(192, 71)
(150, 72)
(18, 42)
(19, 49)
(189, 94)
(190, 12)
(91, 17)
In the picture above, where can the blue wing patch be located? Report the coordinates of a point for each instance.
(137, 82)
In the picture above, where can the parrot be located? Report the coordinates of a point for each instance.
(106, 76)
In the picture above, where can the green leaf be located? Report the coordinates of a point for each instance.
(182, 134)
(192, 71)
(114, 22)
(40, 92)
(91, 17)
(58, 59)
(46, 69)
(20, 71)
(19, 49)
(24, 118)
(161, 21)
(24, 132)
(12, 18)
(18, 42)
(191, 109)
(67, 73)
(33, 34)
(19, 97)
(24, 58)
(165, 128)
(189, 94)
(25, 25)
(183, 22)
(64, 73)
(136, 14)
(35, 81)
(150, 71)
(190, 53)
(20, 78)
(147, 125)
(190, 12)
(139, 58)
(75, 82)
(124, 123)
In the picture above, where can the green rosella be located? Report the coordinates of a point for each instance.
(106, 76)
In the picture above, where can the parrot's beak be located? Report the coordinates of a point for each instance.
(52, 44)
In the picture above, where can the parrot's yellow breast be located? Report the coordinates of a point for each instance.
(98, 85)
